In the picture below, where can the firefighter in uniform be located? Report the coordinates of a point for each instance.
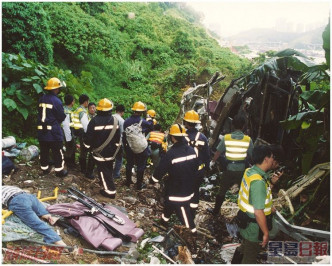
(50, 134)
(200, 144)
(181, 163)
(141, 158)
(151, 115)
(68, 129)
(236, 150)
(103, 139)
(81, 121)
(157, 142)
(255, 203)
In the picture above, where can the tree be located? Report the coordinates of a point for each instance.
(26, 31)
(183, 45)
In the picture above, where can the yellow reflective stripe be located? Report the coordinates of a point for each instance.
(179, 199)
(247, 207)
(193, 205)
(182, 159)
(164, 218)
(185, 217)
(45, 106)
(193, 230)
(236, 155)
(237, 143)
(236, 149)
(48, 127)
(44, 167)
(201, 166)
(155, 179)
(200, 142)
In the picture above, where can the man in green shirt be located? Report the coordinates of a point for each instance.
(235, 149)
(255, 203)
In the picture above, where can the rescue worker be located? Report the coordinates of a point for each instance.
(50, 135)
(91, 110)
(236, 150)
(157, 142)
(255, 203)
(68, 129)
(139, 159)
(181, 163)
(103, 138)
(91, 162)
(151, 115)
(200, 144)
(120, 109)
(29, 209)
(81, 121)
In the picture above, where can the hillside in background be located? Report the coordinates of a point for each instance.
(294, 40)
(123, 51)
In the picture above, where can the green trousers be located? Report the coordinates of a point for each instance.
(250, 251)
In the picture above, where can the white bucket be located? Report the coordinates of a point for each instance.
(8, 142)
(29, 153)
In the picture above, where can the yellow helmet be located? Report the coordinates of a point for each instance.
(54, 83)
(178, 130)
(139, 107)
(152, 113)
(104, 105)
(191, 117)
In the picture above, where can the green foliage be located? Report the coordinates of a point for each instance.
(183, 45)
(98, 50)
(22, 85)
(25, 30)
(310, 124)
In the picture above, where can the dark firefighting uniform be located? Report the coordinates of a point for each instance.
(181, 164)
(98, 131)
(50, 134)
(200, 143)
(132, 158)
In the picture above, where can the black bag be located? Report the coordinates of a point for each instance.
(7, 165)
(242, 219)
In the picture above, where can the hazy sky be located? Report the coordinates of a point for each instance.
(234, 16)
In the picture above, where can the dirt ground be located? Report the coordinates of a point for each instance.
(143, 207)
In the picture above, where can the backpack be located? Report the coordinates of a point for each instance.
(135, 138)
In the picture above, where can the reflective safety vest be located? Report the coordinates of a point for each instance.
(76, 117)
(156, 136)
(243, 199)
(71, 116)
(236, 149)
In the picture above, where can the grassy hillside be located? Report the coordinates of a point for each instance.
(99, 49)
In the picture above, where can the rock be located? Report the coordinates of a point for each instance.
(144, 211)
(151, 201)
(29, 183)
(68, 180)
(130, 200)
(133, 253)
(154, 260)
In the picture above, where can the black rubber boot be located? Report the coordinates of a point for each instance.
(128, 179)
(139, 183)
(62, 173)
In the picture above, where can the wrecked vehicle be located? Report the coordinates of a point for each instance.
(281, 105)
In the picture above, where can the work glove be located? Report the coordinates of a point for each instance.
(212, 163)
